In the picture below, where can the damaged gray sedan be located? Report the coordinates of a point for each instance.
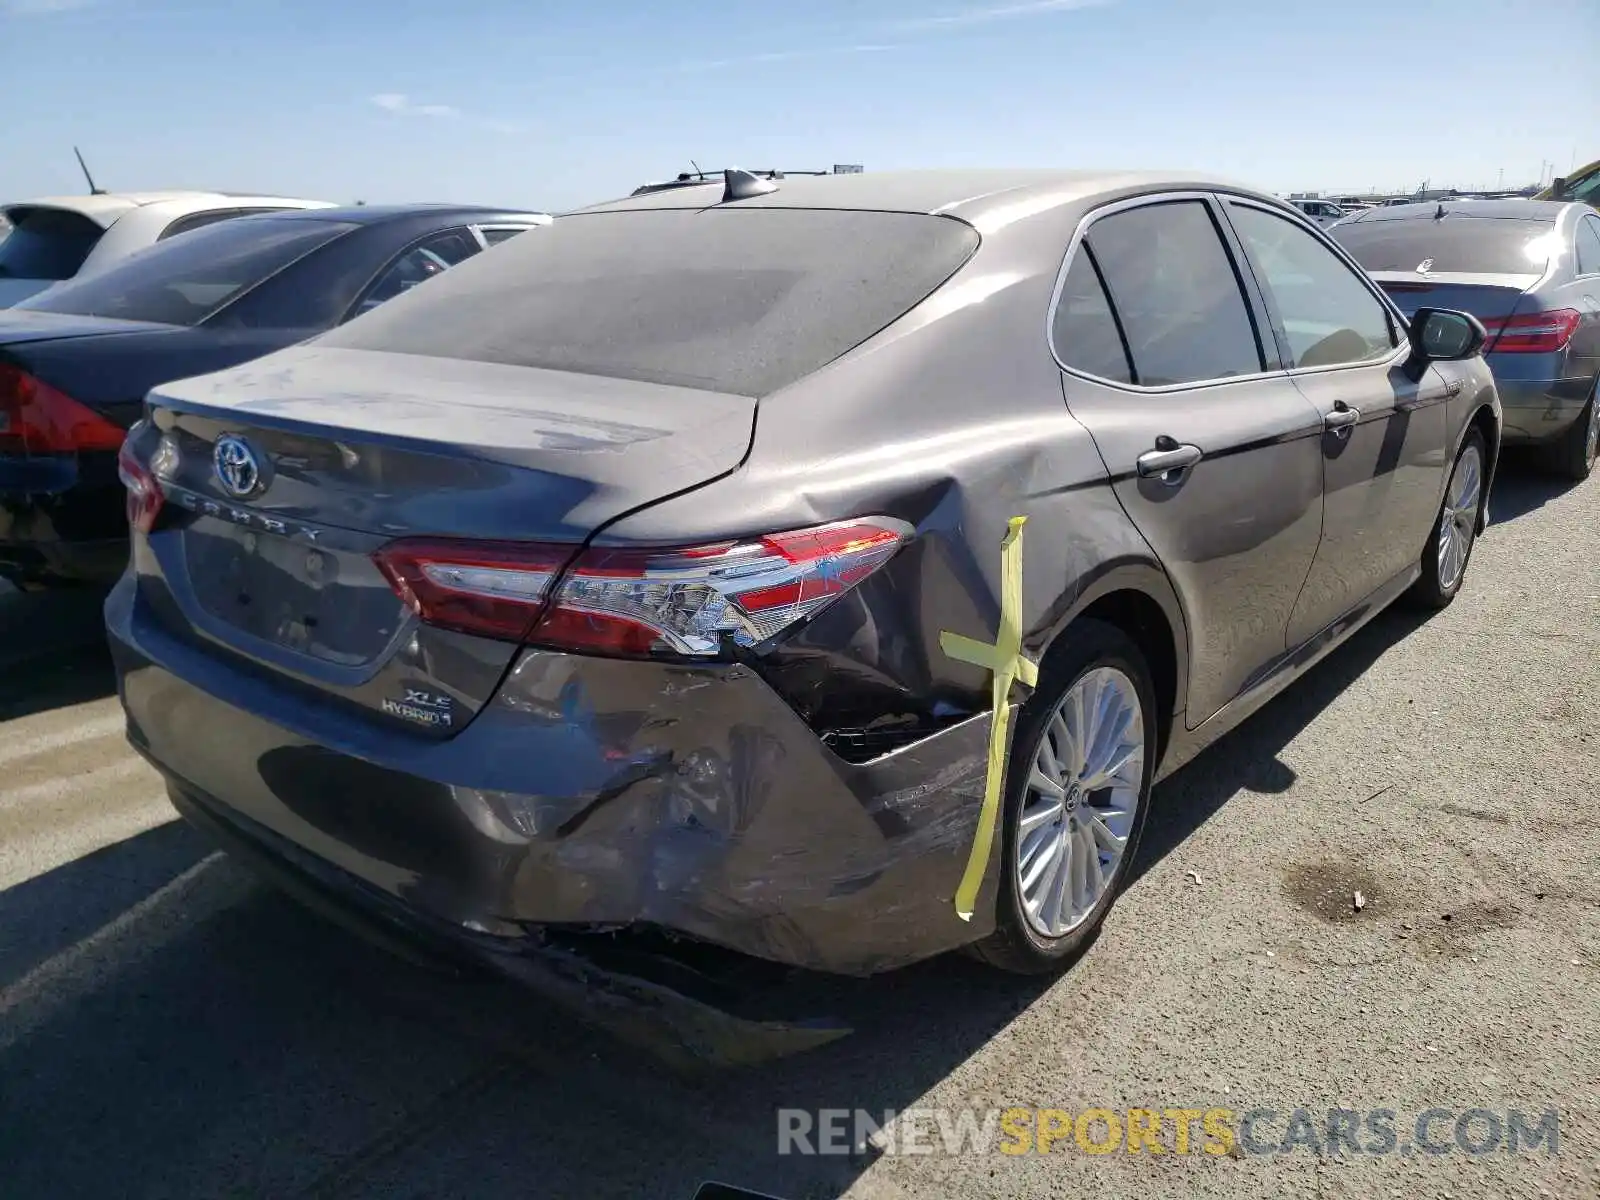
(816, 570)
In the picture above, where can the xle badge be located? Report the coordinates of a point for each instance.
(421, 707)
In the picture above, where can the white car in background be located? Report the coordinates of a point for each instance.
(1323, 212)
(59, 237)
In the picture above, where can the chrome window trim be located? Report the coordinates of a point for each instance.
(1285, 209)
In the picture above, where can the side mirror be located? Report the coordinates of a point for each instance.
(1442, 335)
(1558, 188)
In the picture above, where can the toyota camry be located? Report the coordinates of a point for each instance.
(821, 570)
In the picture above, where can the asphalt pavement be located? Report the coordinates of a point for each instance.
(171, 1027)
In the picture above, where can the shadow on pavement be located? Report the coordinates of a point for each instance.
(1247, 758)
(52, 650)
(244, 1047)
(1523, 484)
(48, 914)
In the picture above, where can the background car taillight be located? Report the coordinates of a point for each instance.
(36, 418)
(1532, 333)
(144, 498)
(677, 601)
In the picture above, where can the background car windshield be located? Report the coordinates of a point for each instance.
(46, 243)
(1487, 245)
(741, 301)
(184, 280)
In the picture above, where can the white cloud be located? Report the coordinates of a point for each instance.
(400, 104)
(997, 12)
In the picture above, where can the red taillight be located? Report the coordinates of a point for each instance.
(144, 498)
(1532, 333)
(681, 601)
(492, 588)
(35, 418)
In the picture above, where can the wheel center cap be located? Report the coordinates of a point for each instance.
(1074, 794)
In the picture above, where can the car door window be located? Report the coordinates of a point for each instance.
(1589, 246)
(1084, 330)
(418, 264)
(1329, 315)
(1173, 286)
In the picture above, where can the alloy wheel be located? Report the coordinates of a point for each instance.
(1083, 794)
(1458, 522)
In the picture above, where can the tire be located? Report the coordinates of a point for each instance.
(1437, 586)
(1574, 455)
(1092, 654)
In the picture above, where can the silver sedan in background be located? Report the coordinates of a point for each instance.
(1530, 271)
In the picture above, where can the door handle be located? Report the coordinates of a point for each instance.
(1167, 462)
(1341, 418)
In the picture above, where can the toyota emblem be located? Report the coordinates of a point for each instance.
(237, 469)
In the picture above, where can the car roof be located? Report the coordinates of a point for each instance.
(1525, 210)
(105, 207)
(972, 195)
(376, 214)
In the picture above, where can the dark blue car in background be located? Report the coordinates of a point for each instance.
(76, 362)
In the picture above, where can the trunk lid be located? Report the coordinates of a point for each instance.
(352, 449)
(1486, 296)
(19, 326)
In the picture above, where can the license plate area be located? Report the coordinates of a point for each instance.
(330, 604)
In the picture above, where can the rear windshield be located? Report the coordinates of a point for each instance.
(1488, 245)
(46, 243)
(184, 280)
(728, 300)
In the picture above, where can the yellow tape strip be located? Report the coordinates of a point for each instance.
(1006, 661)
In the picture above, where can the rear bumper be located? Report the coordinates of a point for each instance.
(684, 1028)
(587, 794)
(62, 520)
(1540, 410)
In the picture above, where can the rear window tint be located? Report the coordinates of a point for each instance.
(742, 301)
(1487, 245)
(184, 280)
(47, 243)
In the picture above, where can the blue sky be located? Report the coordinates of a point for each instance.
(556, 103)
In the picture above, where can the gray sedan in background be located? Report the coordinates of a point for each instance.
(1530, 271)
(818, 569)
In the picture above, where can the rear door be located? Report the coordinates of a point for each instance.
(1214, 453)
(1383, 446)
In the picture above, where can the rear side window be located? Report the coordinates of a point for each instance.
(1589, 246)
(729, 300)
(46, 243)
(495, 234)
(1474, 245)
(184, 280)
(431, 257)
(1173, 286)
(1085, 331)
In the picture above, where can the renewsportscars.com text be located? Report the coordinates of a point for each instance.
(1176, 1130)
